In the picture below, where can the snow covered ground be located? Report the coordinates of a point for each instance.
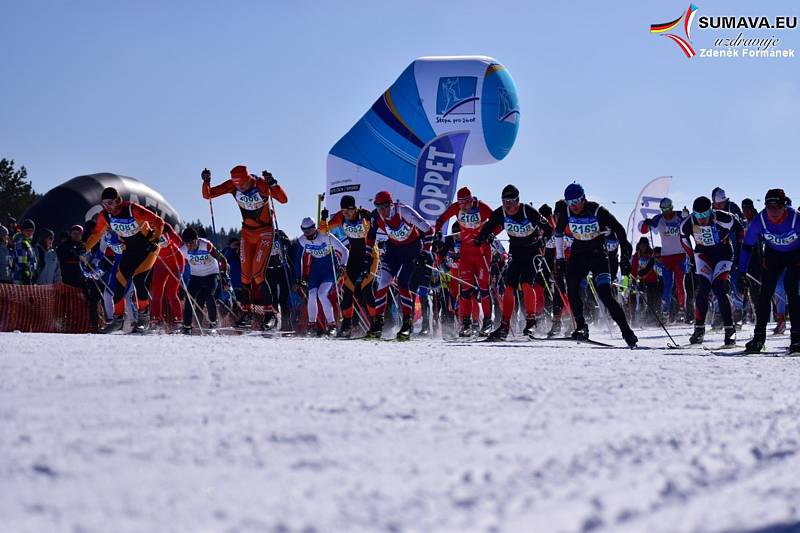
(242, 434)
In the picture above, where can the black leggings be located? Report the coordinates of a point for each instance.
(721, 287)
(201, 289)
(578, 268)
(776, 262)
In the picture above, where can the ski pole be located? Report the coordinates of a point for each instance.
(192, 302)
(283, 257)
(461, 281)
(660, 323)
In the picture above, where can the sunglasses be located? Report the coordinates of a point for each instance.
(384, 205)
(703, 215)
(774, 206)
(510, 200)
(576, 201)
(666, 209)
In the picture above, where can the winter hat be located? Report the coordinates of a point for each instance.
(718, 194)
(510, 193)
(28, 224)
(3, 231)
(748, 202)
(464, 194)
(189, 234)
(775, 196)
(545, 210)
(109, 193)
(239, 176)
(347, 202)
(701, 204)
(47, 233)
(77, 227)
(574, 191)
(307, 224)
(665, 203)
(383, 197)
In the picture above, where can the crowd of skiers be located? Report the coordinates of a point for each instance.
(571, 262)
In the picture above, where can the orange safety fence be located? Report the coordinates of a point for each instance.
(43, 308)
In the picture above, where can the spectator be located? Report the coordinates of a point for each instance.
(6, 259)
(49, 270)
(11, 225)
(25, 264)
(69, 254)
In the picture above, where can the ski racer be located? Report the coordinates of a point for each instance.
(206, 265)
(166, 277)
(712, 231)
(140, 230)
(407, 248)
(778, 225)
(589, 222)
(252, 195)
(319, 273)
(526, 228)
(362, 262)
(673, 256)
(473, 263)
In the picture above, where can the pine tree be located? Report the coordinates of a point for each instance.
(16, 191)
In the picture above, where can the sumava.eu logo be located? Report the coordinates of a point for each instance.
(682, 24)
(456, 95)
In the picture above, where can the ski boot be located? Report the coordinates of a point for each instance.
(530, 327)
(630, 338)
(425, 327)
(581, 333)
(730, 336)
(245, 321)
(756, 344)
(405, 330)
(269, 321)
(555, 329)
(314, 330)
(346, 329)
(780, 326)
(212, 327)
(698, 335)
(116, 324)
(186, 330)
(486, 327)
(330, 330)
(142, 321)
(376, 331)
(466, 328)
(500, 333)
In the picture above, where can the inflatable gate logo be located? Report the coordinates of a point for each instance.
(440, 114)
(684, 44)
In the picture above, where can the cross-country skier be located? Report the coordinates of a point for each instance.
(252, 195)
(166, 277)
(526, 229)
(206, 264)
(713, 232)
(317, 267)
(140, 230)
(589, 222)
(473, 263)
(779, 227)
(407, 248)
(673, 256)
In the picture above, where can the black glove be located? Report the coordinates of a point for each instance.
(267, 175)
(324, 214)
(625, 266)
(649, 222)
(152, 246)
(479, 240)
(424, 259)
(206, 174)
(437, 236)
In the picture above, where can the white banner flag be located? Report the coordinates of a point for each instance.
(647, 206)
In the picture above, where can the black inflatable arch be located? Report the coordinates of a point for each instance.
(78, 200)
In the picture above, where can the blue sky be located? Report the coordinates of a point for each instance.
(159, 90)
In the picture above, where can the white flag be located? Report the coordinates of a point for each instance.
(647, 206)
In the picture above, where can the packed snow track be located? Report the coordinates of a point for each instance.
(241, 434)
